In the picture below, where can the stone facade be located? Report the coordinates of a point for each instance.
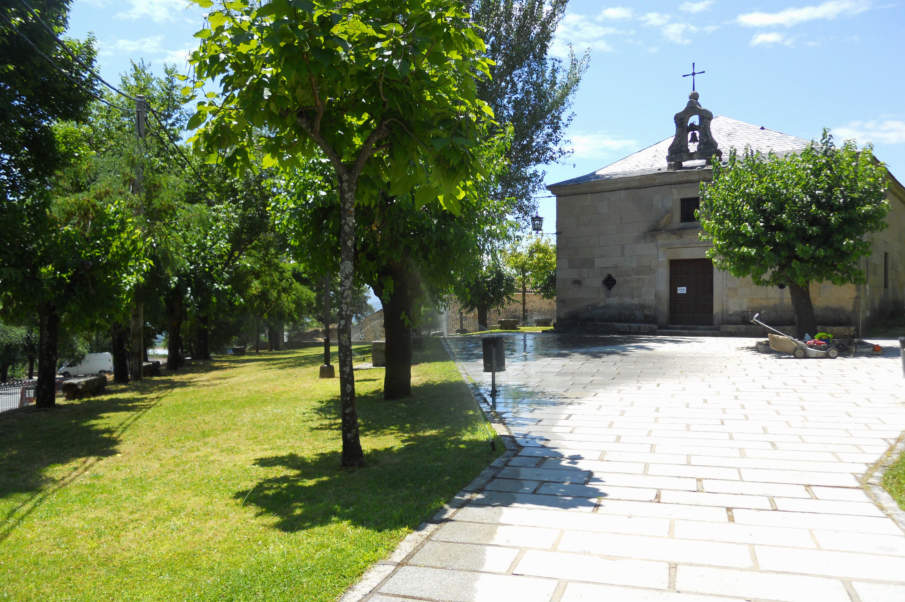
(621, 228)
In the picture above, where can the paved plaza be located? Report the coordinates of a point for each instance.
(669, 469)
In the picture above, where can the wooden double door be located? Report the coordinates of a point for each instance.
(691, 292)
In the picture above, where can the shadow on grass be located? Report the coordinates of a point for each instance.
(398, 487)
(33, 440)
(301, 357)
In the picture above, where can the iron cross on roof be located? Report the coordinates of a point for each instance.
(692, 74)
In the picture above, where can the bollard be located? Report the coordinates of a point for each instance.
(902, 353)
(494, 359)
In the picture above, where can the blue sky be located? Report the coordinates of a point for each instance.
(795, 67)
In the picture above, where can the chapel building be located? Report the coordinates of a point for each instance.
(629, 258)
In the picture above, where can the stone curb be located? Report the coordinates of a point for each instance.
(873, 482)
(382, 570)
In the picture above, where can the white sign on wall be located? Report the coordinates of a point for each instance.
(681, 290)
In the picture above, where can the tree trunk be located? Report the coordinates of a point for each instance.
(397, 376)
(48, 338)
(138, 331)
(4, 372)
(352, 454)
(31, 367)
(805, 320)
(325, 316)
(482, 317)
(202, 340)
(174, 330)
(273, 336)
(118, 336)
(524, 304)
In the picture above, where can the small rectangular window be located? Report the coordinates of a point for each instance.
(885, 270)
(688, 208)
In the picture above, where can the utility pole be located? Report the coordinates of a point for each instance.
(137, 317)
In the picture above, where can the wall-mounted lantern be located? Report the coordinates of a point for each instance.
(537, 224)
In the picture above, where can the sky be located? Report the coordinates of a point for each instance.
(795, 67)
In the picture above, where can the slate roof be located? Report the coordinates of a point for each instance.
(728, 133)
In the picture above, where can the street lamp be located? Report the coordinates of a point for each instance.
(537, 224)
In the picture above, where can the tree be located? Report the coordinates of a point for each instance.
(357, 83)
(543, 268)
(272, 290)
(42, 81)
(412, 258)
(12, 348)
(84, 262)
(527, 88)
(487, 287)
(534, 265)
(796, 219)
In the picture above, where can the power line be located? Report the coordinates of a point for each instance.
(186, 161)
(80, 84)
(34, 13)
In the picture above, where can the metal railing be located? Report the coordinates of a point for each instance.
(16, 394)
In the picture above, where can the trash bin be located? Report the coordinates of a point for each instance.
(379, 354)
(494, 354)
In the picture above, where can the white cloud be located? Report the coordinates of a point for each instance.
(150, 48)
(616, 13)
(159, 11)
(583, 33)
(145, 46)
(696, 7)
(655, 19)
(770, 39)
(598, 145)
(794, 16)
(887, 131)
(179, 58)
(677, 32)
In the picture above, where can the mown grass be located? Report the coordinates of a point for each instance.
(894, 481)
(519, 329)
(223, 482)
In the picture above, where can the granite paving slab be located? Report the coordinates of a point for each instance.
(671, 469)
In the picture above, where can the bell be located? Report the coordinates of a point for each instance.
(693, 137)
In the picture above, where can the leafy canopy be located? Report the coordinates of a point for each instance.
(528, 89)
(534, 265)
(348, 79)
(795, 219)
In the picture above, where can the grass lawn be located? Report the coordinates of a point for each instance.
(894, 481)
(223, 482)
(519, 329)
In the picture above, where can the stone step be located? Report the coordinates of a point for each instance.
(690, 330)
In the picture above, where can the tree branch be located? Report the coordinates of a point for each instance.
(321, 142)
(369, 148)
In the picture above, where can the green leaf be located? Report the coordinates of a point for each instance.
(195, 120)
(216, 19)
